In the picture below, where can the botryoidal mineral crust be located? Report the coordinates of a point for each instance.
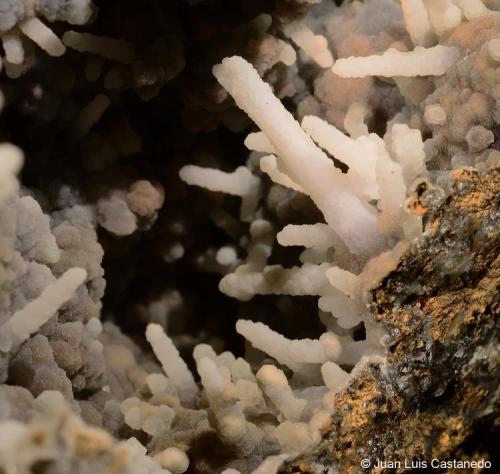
(436, 397)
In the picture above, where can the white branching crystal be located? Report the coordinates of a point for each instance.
(243, 283)
(392, 189)
(354, 121)
(275, 386)
(443, 14)
(13, 47)
(473, 9)
(315, 46)
(292, 353)
(258, 141)
(11, 160)
(347, 311)
(240, 182)
(43, 36)
(343, 280)
(433, 61)
(276, 402)
(223, 398)
(305, 163)
(269, 165)
(360, 154)
(26, 321)
(172, 363)
(335, 378)
(417, 22)
(408, 148)
(310, 235)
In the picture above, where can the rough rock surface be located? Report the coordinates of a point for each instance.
(437, 395)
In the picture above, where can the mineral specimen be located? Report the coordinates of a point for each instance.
(249, 237)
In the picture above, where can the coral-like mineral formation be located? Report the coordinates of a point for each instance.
(249, 236)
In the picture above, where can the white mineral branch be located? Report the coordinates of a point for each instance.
(304, 162)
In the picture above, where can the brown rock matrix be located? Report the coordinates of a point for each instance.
(439, 388)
